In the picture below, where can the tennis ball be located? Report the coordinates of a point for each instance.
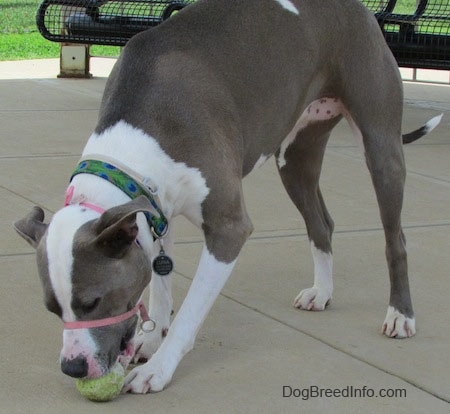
(104, 388)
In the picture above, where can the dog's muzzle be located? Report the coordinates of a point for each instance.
(80, 360)
(147, 324)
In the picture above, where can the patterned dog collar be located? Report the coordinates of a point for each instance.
(129, 186)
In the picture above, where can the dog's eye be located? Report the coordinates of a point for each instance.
(90, 307)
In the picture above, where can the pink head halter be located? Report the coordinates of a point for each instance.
(98, 323)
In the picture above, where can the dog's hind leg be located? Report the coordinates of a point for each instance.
(380, 128)
(384, 156)
(299, 166)
(374, 101)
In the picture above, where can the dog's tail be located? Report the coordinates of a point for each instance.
(423, 130)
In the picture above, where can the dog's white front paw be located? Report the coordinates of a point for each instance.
(147, 343)
(150, 377)
(397, 325)
(313, 299)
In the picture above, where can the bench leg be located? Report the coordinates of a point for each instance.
(74, 61)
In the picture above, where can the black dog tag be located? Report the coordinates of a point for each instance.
(163, 264)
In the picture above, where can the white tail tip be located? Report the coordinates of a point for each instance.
(433, 123)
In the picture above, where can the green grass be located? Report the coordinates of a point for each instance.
(20, 38)
(405, 6)
(26, 46)
(17, 16)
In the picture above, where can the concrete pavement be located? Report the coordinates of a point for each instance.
(255, 351)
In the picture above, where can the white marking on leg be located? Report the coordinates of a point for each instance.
(261, 161)
(397, 325)
(317, 297)
(320, 110)
(209, 280)
(288, 5)
(355, 130)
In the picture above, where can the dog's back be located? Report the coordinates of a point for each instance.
(241, 69)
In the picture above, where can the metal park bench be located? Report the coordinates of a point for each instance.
(419, 36)
(102, 22)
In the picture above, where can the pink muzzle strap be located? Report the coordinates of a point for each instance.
(98, 323)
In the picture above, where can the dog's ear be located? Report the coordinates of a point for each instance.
(32, 227)
(116, 229)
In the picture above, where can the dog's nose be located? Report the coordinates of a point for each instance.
(76, 368)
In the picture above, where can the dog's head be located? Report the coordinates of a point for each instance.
(91, 268)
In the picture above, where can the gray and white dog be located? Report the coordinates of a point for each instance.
(190, 108)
